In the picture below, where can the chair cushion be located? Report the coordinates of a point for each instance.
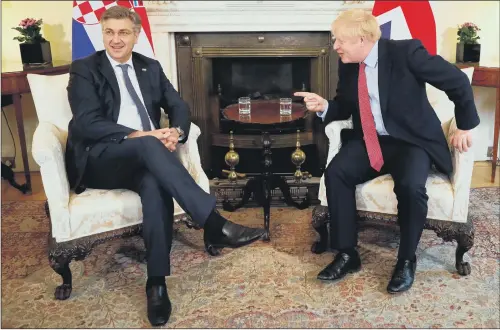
(111, 210)
(51, 104)
(378, 196)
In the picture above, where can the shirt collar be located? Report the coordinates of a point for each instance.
(372, 59)
(114, 63)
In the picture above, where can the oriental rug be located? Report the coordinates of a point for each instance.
(265, 285)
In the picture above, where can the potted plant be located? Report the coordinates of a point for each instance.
(468, 48)
(34, 48)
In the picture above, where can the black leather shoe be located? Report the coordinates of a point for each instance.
(340, 267)
(159, 306)
(232, 236)
(403, 276)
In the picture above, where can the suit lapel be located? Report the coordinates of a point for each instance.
(108, 72)
(384, 73)
(141, 71)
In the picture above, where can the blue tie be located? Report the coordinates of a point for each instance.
(143, 113)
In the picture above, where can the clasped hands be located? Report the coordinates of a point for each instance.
(461, 139)
(168, 136)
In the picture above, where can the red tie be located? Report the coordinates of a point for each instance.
(367, 122)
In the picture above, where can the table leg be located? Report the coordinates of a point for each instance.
(266, 183)
(495, 137)
(22, 138)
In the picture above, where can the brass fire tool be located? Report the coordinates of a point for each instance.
(232, 159)
(298, 158)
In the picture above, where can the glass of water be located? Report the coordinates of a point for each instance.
(244, 105)
(285, 106)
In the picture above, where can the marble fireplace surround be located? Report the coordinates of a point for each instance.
(168, 17)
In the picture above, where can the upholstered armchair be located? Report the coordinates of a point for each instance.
(80, 222)
(448, 196)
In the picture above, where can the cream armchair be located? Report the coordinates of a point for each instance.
(80, 222)
(448, 196)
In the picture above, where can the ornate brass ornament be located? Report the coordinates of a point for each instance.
(298, 158)
(232, 159)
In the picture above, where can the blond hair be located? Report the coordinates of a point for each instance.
(356, 23)
(120, 12)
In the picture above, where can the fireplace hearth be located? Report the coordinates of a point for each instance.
(215, 69)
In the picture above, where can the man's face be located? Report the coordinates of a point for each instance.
(119, 38)
(350, 50)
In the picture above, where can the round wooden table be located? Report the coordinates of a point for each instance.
(265, 117)
(265, 112)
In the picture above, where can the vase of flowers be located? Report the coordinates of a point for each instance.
(468, 48)
(34, 48)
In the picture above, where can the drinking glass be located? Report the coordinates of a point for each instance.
(285, 106)
(244, 105)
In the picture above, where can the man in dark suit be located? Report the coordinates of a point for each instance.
(115, 141)
(395, 130)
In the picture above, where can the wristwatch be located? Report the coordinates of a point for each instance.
(181, 133)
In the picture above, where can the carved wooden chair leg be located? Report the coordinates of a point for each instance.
(465, 241)
(60, 264)
(320, 218)
(463, 233)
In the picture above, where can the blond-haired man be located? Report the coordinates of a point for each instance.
(395, 130)
(115, 141)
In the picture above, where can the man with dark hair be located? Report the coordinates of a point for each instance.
(115, 141)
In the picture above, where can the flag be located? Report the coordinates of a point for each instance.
(87, 34)
(406, 20)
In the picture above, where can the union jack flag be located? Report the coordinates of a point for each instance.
(406, 20)
(137, 3)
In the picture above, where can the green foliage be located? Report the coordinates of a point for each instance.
(29, 28)
(467, 33)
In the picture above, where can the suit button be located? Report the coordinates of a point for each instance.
(87, 149)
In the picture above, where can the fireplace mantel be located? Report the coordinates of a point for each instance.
(226, 16)
(169, 17)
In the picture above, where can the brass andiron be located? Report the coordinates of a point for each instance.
(232, 159)
(298, 158)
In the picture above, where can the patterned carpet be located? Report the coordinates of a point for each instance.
(265, 285)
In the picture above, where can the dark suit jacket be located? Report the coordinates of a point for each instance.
(94, 97)
(404, 66)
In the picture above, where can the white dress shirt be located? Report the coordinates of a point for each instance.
(371, 71)
(129, 115)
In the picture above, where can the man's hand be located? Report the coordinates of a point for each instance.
(172, 139)
(461, 140)
(169, 136)
(160, 134)
(314, 102)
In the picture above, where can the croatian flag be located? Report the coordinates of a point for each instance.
(87, 33)
(406, 20)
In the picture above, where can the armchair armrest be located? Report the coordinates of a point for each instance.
(332, 131)
(189, 156)
(461, 177)
(49, 144)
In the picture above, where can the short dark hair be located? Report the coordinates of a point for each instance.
(120, 12)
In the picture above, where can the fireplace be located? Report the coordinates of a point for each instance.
(264, 78)
(215, 68)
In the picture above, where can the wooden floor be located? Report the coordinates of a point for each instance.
(480, 178)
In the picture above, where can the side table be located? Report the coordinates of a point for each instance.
(15, 83)
(265, 116)
(489, 77)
